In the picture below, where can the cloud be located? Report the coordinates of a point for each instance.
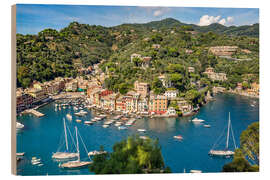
(222, 21)
(206, 20)
(156, 11)
(230, 19)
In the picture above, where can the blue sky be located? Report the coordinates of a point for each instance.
(31, 18)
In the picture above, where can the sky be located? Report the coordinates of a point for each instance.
(33, 18)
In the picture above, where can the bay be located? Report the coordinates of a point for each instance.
(41, 136)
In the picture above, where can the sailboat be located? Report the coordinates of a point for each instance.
(78, 163)
(226, 152)
(65, 155)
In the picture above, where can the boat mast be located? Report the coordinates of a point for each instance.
(78, 150)
(228, 132)
(65, 133)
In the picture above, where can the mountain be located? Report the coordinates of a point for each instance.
(246, 30)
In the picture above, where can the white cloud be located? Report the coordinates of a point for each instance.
(230, 19)
(206, 20)
(222, 21)
(157, 13)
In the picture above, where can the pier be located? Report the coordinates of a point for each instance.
(34, 112)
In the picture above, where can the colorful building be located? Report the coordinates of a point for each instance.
(158, 104)
(142, 88)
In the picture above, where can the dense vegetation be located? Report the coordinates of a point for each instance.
(131, 156)
(53, 53)
(246, 158)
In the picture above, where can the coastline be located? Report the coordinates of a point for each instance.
(162, 128)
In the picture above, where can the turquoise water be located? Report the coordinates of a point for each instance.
(41, 136)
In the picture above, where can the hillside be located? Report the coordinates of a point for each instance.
(53, 53)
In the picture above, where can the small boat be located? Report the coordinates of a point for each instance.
(252, 105)
(105, 125)
(19, 125)
(179, 137)
(75, 164)
(78, 120)
(94, 153)
(35, 162)
(207, 125)
(97, 118)
(88, 122)
(197, 120)
(141, 130)
(122, 127)
(102, 116)
(81, 113)
(20, 154)
(195, 171)
(69, 117)
(118, 124)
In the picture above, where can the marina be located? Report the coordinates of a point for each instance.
(178, 155)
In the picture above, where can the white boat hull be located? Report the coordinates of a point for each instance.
(75, 164)
(64, 155)
(221, 153)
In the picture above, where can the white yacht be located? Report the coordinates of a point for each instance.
(224, 152)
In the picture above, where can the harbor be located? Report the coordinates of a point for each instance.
(183, 140)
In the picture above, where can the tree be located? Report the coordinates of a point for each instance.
(130, 156)
(249, 148)
(249, 141)
(239, 164)
(158, 87)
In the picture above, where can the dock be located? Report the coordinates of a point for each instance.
(34, 112)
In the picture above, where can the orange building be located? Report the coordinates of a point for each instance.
(158, 104)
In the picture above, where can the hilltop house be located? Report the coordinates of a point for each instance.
(165, 81)
(215, 76)
(135, 55)
(191, 69)
(223, 50)
(171, 94)
(184, 106)
(142, 88)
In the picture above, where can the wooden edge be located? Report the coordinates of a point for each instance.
(13, 91)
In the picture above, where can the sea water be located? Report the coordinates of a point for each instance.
(42, 136)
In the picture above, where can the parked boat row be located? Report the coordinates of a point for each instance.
(36, 161)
